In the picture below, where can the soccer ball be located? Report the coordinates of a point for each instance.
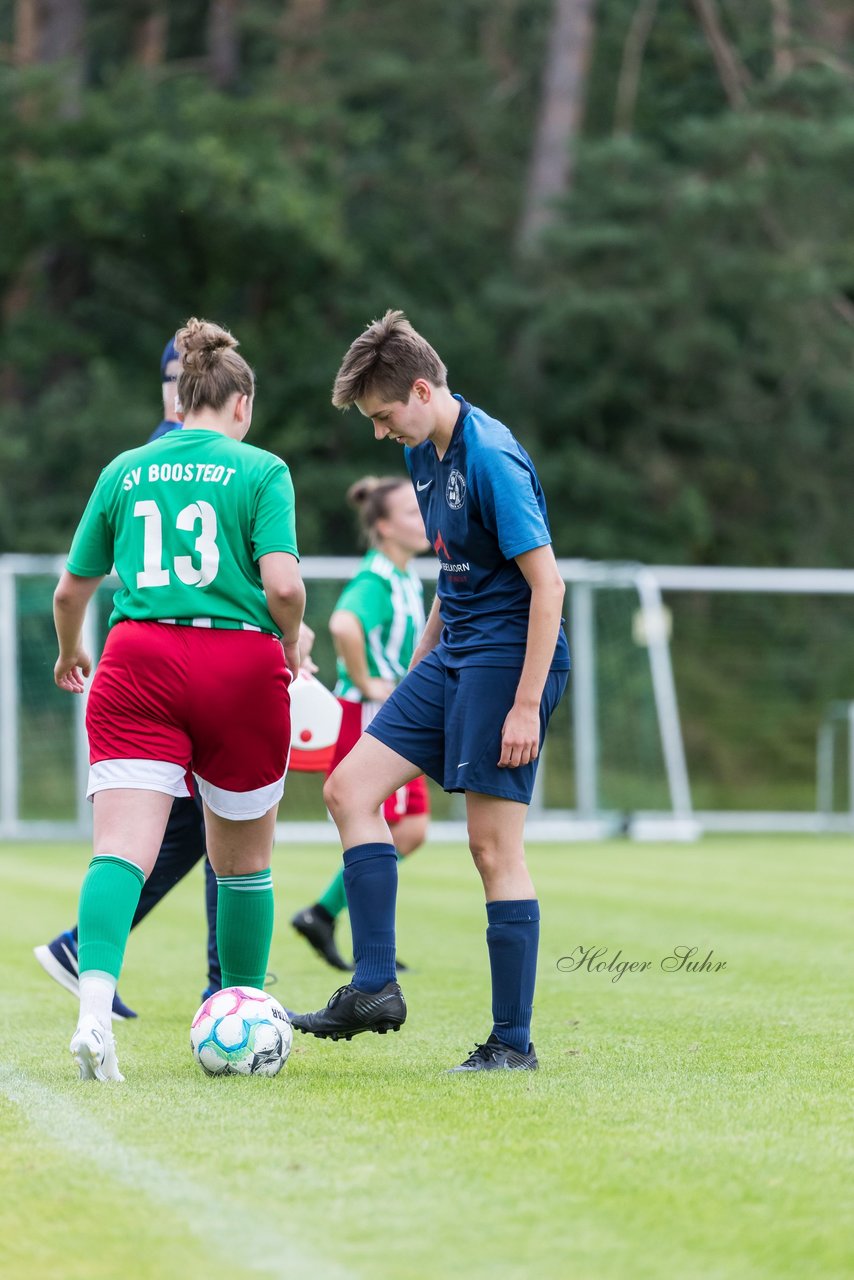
(241, 1031)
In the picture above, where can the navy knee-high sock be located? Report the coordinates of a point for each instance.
(211, 900)
(513, 938)
(370, 881)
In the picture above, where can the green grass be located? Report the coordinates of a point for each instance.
(692, 1125)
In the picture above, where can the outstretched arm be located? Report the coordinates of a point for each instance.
(70, 599)
(430, 636)
(520, 737)
(348, 636)
(285, 592)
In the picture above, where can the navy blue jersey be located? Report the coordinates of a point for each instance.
(482, 505)
(163, 428)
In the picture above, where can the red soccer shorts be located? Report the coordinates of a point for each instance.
(169, 699)
(408, 800)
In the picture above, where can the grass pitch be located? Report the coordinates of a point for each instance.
(683, 1123)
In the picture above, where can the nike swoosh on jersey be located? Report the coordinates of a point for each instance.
(421, 487)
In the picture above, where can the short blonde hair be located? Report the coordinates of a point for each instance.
(387, 359)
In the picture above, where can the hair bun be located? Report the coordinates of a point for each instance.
(361, 490)
(200, 343)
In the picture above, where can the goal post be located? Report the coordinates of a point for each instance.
(760, 654)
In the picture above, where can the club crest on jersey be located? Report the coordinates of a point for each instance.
(455, 493)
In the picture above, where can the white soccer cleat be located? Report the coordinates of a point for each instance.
(94, 1051)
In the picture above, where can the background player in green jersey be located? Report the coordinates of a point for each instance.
(376, 624)
(194, 675)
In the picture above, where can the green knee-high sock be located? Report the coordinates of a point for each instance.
(108, 899)
(244, 928)
(334, 897)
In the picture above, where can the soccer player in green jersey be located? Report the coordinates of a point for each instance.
(202, 646)
(375, 626)
(184, 842)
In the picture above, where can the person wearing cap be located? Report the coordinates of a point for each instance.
(170, 364)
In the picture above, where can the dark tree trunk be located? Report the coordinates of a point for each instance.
(223, 42)
(150, 35)
(301, 22)
(54, 31)
(567, 62)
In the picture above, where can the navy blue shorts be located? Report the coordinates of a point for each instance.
(448, 722)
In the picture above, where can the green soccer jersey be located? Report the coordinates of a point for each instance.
(389, 603)
(185, 520)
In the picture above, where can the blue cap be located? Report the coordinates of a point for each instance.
(170, 352)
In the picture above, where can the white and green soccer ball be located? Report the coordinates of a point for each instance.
(241, 1031)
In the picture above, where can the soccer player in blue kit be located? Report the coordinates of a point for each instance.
(485, 678)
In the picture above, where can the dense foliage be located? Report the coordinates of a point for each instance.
(676, 350)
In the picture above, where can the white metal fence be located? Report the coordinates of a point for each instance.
(682, 685)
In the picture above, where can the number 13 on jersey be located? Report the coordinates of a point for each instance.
(153, 573)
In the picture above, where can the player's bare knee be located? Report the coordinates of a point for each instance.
(333, 795)
(410, 833)
(486, 856)
(409, 845)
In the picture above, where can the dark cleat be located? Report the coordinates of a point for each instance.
(318, 929)
(351, 1011)
(495, 1055)
(59, 959)
(120, 1009)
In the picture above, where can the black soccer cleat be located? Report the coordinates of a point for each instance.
(318, 929)
(351, 1011)
(495, 1055)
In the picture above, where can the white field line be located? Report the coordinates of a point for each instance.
(257, 1246)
